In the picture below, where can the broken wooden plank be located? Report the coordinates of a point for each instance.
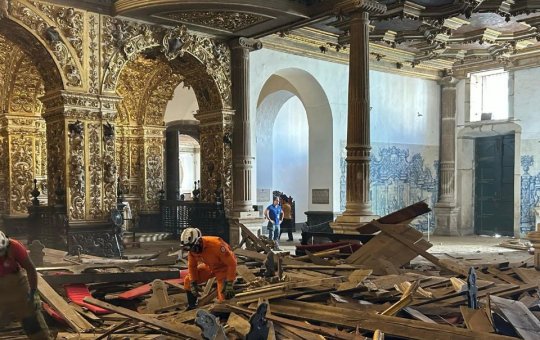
(519, 316)
(326, 331)
(476, 319)
(70, 315)
(145, 276)
(390, 325)
(397, 217)
(178, 329)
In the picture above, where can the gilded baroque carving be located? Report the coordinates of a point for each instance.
(77, 183)
(70, 22)
(56, 150)
(94, 170)
(37, 24)
(109, 168)
(93, 59)
(220, 20)
(123, 40)
(158, 98)
(154, 172)
(3, 170)
(21, 172)
(26, 88)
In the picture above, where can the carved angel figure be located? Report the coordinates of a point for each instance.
(175, 41)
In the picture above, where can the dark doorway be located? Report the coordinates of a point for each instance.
(494, 185)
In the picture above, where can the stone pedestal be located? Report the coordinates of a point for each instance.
(348, 224)
(250, 219)
(534, 237)
(447, 220)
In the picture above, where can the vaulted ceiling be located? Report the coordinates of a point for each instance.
(431, 35)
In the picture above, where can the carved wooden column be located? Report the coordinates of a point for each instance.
(242, 155)
(81, 153)
(358, 206)
(446, 211)
(216, 156)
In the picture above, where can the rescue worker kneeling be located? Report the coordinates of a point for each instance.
(18, 294)
(209, 256)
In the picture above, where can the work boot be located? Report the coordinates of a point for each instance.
(192, 301)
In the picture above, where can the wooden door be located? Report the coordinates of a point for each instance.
(494, 185)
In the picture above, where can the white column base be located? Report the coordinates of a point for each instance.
(348, 224)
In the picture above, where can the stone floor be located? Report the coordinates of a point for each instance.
(452, 245)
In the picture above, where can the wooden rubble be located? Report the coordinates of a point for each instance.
(372, 293)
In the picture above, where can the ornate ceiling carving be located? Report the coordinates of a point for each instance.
(226, 21)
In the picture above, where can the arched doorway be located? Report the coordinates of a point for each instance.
(182, 144)
(307, 138)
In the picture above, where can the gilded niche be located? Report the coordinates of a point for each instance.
(219, 20)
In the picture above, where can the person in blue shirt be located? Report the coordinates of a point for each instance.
(274, 215)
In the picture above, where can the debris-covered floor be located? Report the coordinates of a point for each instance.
(391, 287)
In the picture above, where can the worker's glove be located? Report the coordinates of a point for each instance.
(228, 290)
(195, 289)
(33, 298)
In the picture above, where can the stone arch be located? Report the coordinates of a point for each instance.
(127, 40)
(277, 90)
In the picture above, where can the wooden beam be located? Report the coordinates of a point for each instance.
(326, 331)
(68, 313)
(177, 329)
(519, 316)
(390, 325)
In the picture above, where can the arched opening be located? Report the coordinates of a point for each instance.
(157, 93)
(298, 152)
(183, 153)
(27, 73)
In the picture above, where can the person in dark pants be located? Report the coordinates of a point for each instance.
(18, 292)
(287, 225)
(274, 215)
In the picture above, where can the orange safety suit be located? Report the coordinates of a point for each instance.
(216, 260)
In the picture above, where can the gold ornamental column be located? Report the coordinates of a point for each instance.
(241, 148)
(216, 156)
(358, 206)
(446, 210)
(80, 151)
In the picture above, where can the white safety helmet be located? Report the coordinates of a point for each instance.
(189, 237)
(4, 243)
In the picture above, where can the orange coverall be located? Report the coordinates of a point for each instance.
(216, 260)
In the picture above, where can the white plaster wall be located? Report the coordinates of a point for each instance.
(333, 79)
(182, 106)
(290, 157)
(405, 109)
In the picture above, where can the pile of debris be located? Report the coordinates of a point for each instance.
(372, 293)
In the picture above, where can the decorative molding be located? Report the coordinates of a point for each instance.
(227, 21)
(38, 21)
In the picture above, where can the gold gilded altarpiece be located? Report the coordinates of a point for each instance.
(83, 97)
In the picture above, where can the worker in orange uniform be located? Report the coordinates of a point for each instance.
(18, 292)
(209, 256)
